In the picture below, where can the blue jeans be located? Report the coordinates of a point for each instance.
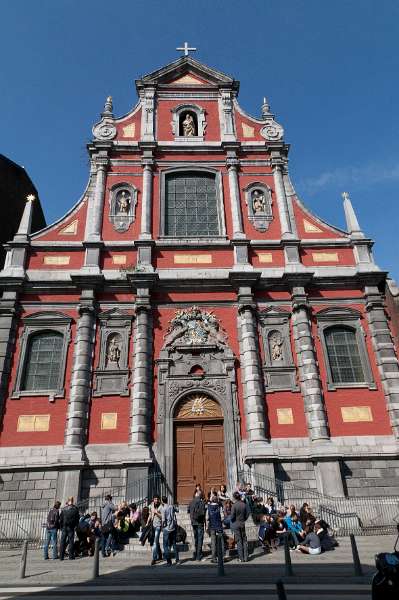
(51, 538)
(169, 542)
(108, 543)
(156, 548)
(198, 540)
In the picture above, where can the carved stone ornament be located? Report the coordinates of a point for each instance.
(195, 327)
(197, 406)
(176, 387)
(104, 130)
(272, 131)
(259, 201)
(122, 210)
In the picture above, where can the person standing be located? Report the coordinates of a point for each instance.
(107, 527)
(155, 517)
(239, 514)
(197, 511)
(52, 527)
(169, 529)
(69, 520)
(215, 525)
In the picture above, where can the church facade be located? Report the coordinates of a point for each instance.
(190, 316)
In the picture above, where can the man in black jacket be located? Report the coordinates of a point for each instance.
(52, 527)
(69, 520)
(239, 514)
(197, 510)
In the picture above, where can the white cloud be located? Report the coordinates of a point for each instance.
(345, 176)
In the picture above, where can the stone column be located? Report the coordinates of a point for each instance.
(251, 375)
(282, 203)
(140, 391)
(146, 206)
(96, 209)
(80, 389)
(308, 370)
(236, 215)
(8, 323)
(385, 353)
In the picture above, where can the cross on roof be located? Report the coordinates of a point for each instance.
(186, 49)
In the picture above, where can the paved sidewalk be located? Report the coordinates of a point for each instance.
(330, 567)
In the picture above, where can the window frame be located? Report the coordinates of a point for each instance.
(348, 318)
(190, 168)
(33, 325)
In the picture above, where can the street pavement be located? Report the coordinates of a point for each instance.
(328, 576)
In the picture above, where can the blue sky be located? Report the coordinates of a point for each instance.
(329, 69)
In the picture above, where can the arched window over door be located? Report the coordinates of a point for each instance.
(43, 362)
(191, 204)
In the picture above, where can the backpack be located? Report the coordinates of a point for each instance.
(198, 512)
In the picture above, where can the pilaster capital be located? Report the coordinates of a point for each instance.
(101, 163)
(232, 164)
(87, 308)
(148, 164)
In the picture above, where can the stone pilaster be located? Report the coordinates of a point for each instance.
(80, 390)
(226, 116)
(308, 369)
(385, 353)
(8, 324)
(282, 202)
(96, 202)
(146, 206)
(251, 375)
(147, 114)
(140, 391)
(232, 165)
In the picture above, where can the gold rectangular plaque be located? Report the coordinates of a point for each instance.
(33, 423)
(310, 227)
(285, 416)
(193, 259)
(70, 229)
(129, 130)
(265, 257)
(109, 420)
(119, 259)
(247, 131)
(325, 256)
(56, 260)
(356, 414)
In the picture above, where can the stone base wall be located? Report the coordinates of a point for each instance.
(102, 481)
(371, 477)
(299, 473)
(27, 489)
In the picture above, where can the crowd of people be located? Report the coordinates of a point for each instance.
(221, 515)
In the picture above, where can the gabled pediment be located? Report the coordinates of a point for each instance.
(187, 71)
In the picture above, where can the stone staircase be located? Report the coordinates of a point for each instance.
(133, 547)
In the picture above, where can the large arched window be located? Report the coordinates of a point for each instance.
(343, 355)
(43, 361)
(191, 205)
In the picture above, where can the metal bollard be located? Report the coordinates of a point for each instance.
(355, 554)
(219, 547)
(96, 559)
(281, 595)
(24, 556)
(287, 558)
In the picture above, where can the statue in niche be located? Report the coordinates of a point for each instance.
(276, 347)
(258, 202)
(123, 203)
(188, 126)
(113, 353)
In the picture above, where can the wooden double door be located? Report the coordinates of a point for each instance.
(199, 457)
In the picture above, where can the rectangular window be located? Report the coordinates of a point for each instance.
(191, 205)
